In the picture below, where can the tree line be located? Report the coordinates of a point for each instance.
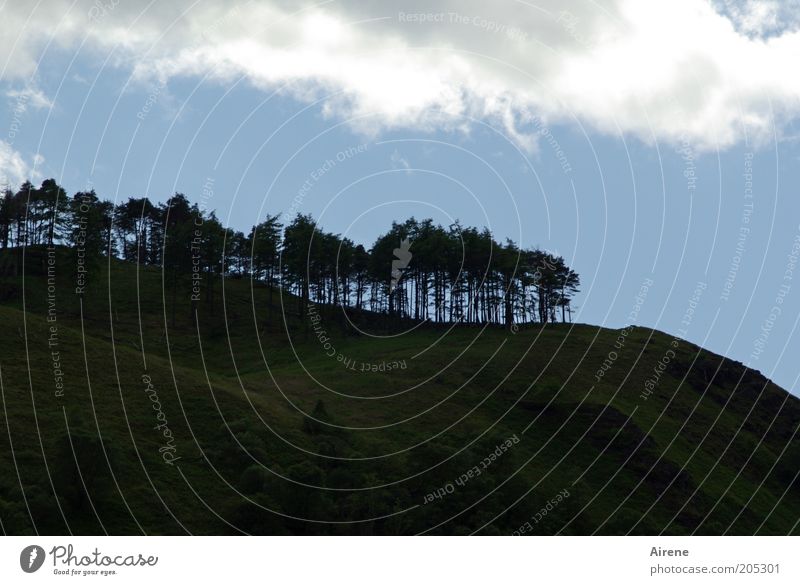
(417, 269)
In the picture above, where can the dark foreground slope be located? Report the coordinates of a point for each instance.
(227, 424)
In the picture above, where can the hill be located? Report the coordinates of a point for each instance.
(133, 409)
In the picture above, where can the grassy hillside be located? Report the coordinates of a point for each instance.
(458, 430)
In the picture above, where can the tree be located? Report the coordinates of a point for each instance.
(89, 233)
(416, 270)
(179, 226)
(300, 257)
(130, 224)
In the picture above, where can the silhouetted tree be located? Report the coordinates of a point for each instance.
(416, 270)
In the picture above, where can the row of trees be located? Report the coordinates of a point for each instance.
(416, 270)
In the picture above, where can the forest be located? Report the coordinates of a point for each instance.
(416, 270)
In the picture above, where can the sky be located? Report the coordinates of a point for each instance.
(654, 145)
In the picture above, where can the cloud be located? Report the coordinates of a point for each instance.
(30, 96)
(710, 73)
(400, 162)
(761, 18)
(14, 169)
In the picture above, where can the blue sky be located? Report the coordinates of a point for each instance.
(687, 177)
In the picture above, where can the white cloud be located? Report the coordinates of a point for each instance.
(761, 18)
(14, 169)
(29, 96)
(669, 69)
(399, 161)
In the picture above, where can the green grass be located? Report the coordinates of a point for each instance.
(693, 457)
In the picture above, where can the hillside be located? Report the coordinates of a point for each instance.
(277, 422)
